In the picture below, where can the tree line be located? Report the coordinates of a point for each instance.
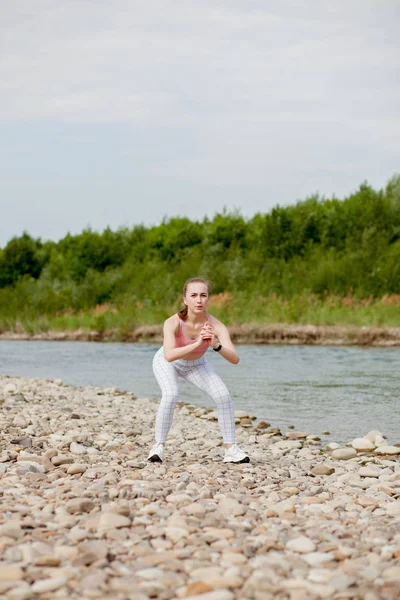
(317, 246)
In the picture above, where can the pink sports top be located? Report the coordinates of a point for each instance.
(181, 340)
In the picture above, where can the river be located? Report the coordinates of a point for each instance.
(345, 390)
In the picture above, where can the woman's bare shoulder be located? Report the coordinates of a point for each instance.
(214, 321)
(172, 322)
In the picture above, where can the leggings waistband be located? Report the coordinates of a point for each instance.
(181, 361)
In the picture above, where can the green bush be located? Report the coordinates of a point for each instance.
(317, 248)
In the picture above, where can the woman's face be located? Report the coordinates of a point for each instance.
(196, 298)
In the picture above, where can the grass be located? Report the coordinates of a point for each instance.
(242, 308)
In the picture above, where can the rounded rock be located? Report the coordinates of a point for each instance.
(344, 453)
(362, 444)
(11, 573)
(390, 450)
(302, 545)
(322, 470)
(48, 585)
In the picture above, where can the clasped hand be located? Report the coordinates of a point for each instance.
(207, 334)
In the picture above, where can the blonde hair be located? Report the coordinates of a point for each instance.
(183, 313)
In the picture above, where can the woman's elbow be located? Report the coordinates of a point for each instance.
(235, 360)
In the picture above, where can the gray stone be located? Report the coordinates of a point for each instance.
(322, 470)
(79, 505)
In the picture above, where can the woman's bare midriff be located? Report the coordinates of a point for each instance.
(193, 356)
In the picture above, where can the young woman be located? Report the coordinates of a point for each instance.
(187, 336)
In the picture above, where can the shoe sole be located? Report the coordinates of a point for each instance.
(238, 462)
(155, 458)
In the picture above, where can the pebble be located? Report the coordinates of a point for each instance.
(109, 521)
(296, 435)
(302, 545)
(85, 515)
(214, 595)
(48, 585)
(76, 448)
(79, 505)
(332, 446)
(10, 573)
(62, 460)
(11, 530)
(76, 468)
(390, 450)
(322, 470)
(369, 471)
(229, 506)
(344, 453)
(373, 435)
(362, 444)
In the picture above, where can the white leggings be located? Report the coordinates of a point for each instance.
(201, 374)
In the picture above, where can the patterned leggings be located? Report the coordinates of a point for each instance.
(201, 374)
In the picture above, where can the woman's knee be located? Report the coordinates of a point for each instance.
(222, 398)
(169, 397)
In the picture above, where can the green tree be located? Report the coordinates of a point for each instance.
(21, 257)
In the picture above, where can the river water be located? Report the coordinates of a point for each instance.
(347, 391)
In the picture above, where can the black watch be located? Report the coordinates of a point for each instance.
(218, 348)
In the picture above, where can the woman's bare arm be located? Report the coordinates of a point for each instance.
(219, 333)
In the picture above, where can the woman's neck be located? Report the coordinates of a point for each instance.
(195, 319)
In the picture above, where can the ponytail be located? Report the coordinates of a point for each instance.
(183, 313)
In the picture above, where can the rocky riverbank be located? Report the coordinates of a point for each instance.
(273, 333)
(85, 516)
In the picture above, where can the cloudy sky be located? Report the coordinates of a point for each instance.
(118, 112)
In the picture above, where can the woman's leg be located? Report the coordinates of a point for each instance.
(166, 376)
(204, 377)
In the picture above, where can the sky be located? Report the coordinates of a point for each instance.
(126, 112)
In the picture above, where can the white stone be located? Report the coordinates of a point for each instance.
(392, 573)
(372, 435)
(109, 520)
(211, 416)
(242, 414)
(9, 388)
(179, 499)
(392, 450)
(344, 453)
(361, 444)
(10, 573)
(175, 533)
(315, 559)
(214, 595)
(150, 573)
(393, 509)
(380, 441)
(195, 509)
(76, 468)
(369, 471)
(48, 585)
(302, 545)
(19, 421)
(283, 506)
(332, 446)
(231, 507)
(76, 448)
(22, 592)
(11, 529)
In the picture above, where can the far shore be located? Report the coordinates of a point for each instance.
(252, 333)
